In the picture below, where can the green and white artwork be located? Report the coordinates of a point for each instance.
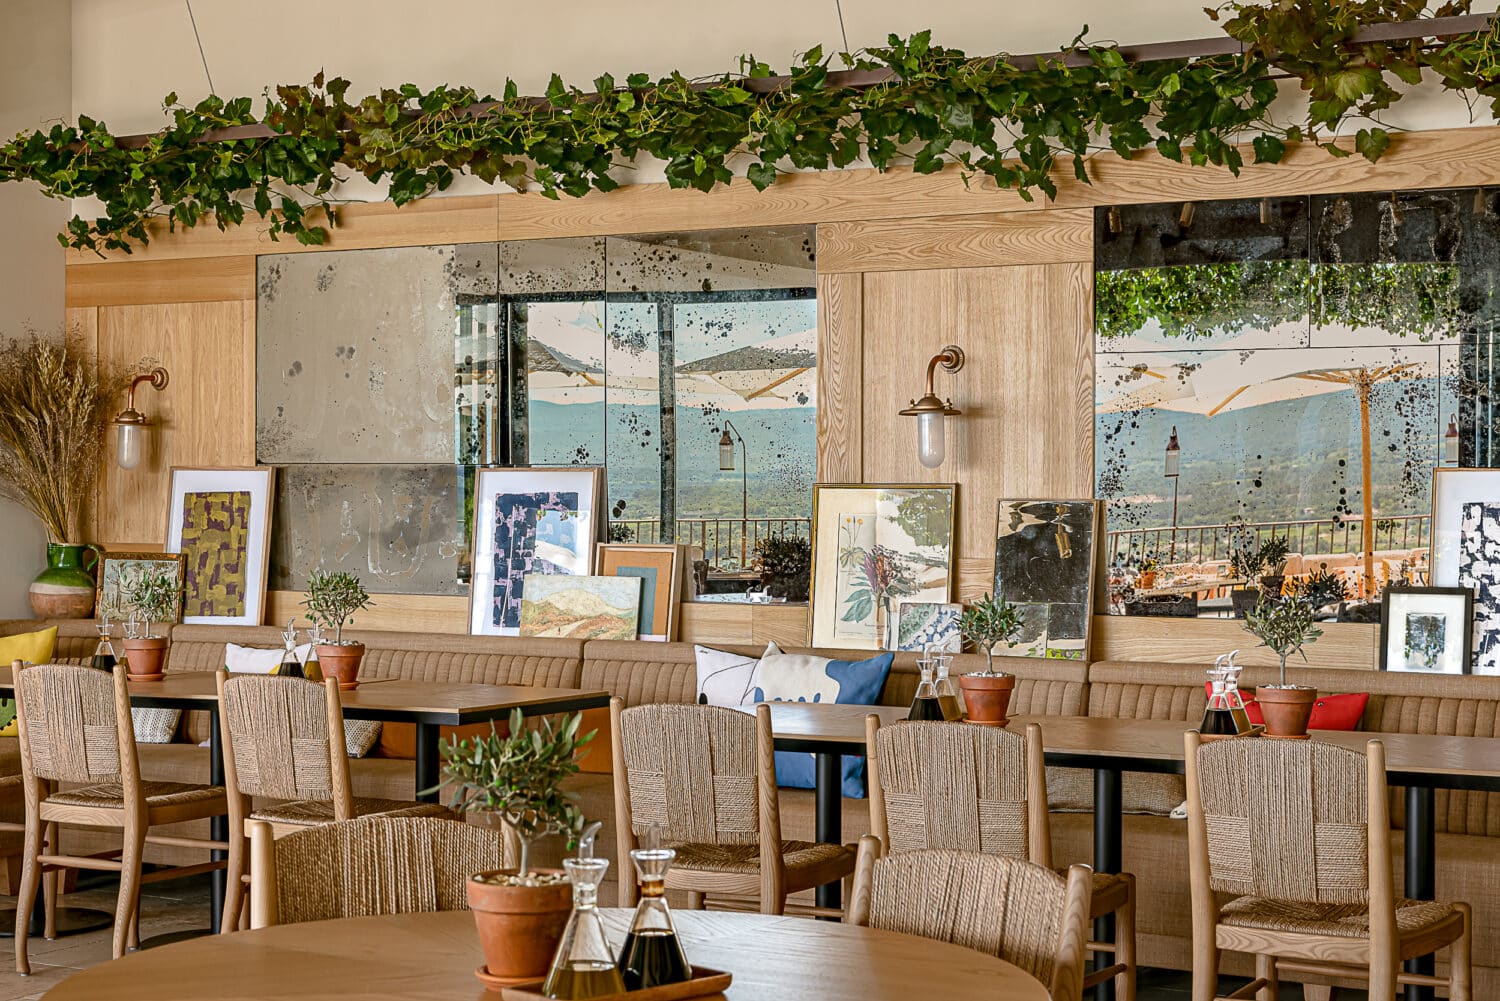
(580, 607)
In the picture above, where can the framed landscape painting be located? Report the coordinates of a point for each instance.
(219, 520)
(1045, 564)
(660, 570)
(581, 607)
(1426, 630)
(874, 547)
(529, 522)
(119, 571)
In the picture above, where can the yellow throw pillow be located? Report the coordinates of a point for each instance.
(34, 648)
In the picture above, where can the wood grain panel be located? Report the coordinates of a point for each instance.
(1199, 641)
(135, 283)
(413, 613)
(205, 416)
(840, 378)
(718, 622)
(968, 241)
(1025, 426)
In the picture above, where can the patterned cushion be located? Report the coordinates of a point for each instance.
(360, 736)
(154, 726)
(33, 648)
(724, 678)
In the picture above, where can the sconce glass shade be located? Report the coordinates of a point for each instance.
(1450, 442)
(130, 444)
(931, 443)
(726, 453)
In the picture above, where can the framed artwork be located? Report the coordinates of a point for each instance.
(875, 546)
(117, 572)
(581, 607)
(220, 521)
(1426, 630)
(529, 522)
(929, 626)
(1046, 564)
(1466, 552)
(660, 569)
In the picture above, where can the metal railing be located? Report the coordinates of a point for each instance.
(728, 543)
(1314, 537)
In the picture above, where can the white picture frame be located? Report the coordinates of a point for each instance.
(1452, 488)
(258, 482)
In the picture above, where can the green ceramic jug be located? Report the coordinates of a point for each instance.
(65, 590)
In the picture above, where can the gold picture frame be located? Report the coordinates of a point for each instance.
(110, 559)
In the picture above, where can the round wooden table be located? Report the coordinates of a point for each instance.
(433, 956)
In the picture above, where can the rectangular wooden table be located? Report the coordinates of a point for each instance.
(429, 705)
(1111, 747)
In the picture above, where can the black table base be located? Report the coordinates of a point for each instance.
(828, 816)
(1421, 873)
(68, 921)
(1109, 855)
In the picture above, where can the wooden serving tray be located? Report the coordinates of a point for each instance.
(704, 983)
(1256, 730)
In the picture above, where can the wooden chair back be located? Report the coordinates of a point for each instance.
(370, 866)
(74, 724)
(1022, 912)
(965, 788)
(283, 738)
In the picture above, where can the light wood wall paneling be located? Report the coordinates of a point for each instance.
(969, 241)
(1198, 641)
(134, 283)
(205, 416)
(1025, 430)
(840, 378)
(412, 613)
(1438, 158)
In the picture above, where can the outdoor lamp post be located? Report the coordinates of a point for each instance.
(1173, 467)
(726, 465)
(1450, 442)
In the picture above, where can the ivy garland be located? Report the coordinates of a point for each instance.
(992, 118)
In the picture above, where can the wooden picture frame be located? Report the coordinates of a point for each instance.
(661, 567)
(1065, 600)
(1401, 651)
(495, 605)
(200, 606)
(834, 505)
(177, 561)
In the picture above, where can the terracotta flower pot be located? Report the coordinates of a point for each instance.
(1286, 710)
(341, 661)
(145, 658)
(519, 926)
(1146, 579)
(987, 697)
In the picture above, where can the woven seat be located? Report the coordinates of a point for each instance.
(702, 779)
(1298, 834)
(981, 789)
(111, 795)
(1024, 913)
(310, 812)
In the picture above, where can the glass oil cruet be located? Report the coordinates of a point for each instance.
(1219, 718)
(311, 668)
(947, 692)
(584, 965)
(925, 706)
(290, 666)
(1232, 692)
(652, 954)
(104, 651)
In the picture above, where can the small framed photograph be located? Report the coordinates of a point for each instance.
(1426, 630)
(117, 574)
(929, 627)
(220, 521)
(660, 568)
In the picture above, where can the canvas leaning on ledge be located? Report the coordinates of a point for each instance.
(1045, 564)
(660, 570)
(875, 546)
(1426, 630)
(581, 608)
(119, 571)
(220, 521)
(929, 627)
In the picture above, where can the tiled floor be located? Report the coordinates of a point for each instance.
(175, 907)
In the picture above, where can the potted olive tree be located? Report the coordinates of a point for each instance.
(152, 595)
(520, 912)
(985, 623)
(1284, 626)
(332, 599)
(785, 566)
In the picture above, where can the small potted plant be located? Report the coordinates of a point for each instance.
(332, 599)
(520, 912)
(1322, 588)
(1285, 626)
(984, 623)
(152, 595)
(785, 566)
(1145, 576)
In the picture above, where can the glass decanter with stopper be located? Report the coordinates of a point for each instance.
(1219, 716)
(584, 965)
(947, 692)
(311, 668)
(104, 657)
(925, 705)
(652, 954)
(290, 666)
(1232, 692)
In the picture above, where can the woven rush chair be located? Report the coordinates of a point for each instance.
(984, 789)
(1299, 833)
(1024, 913)
(75, 728)
(374, 865)
(702, 780)
(283, 741)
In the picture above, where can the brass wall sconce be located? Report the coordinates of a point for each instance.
(930, 411)
(131, 426)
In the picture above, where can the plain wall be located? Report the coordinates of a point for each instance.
(35, 87)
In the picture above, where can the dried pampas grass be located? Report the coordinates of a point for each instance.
(51, 433)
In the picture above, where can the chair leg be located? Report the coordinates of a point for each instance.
(1265, 969)
(50, 885)
(1320, 992)
(31, 873)
(695, 900)
(1460, 959)
(1205, 972)
(130, 886)
(234, 885)
(1125, 942)
(773, 904)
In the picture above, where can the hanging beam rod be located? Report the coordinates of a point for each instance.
(1197, 48)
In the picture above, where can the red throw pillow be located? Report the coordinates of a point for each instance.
(1330, 712)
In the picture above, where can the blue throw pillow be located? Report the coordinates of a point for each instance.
(783, 677)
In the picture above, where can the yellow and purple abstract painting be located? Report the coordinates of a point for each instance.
(215, 544)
